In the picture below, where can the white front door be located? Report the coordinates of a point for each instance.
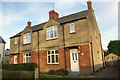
(15, 59)
(74, 60)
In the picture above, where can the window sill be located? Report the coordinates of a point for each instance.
(26, 44)
(72, 32)
(51, 39)
(52, 63)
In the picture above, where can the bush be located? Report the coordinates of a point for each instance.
(51, 72)
(20, 67)
(61, 72)
(18, 74)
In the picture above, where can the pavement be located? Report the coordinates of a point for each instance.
(107, 72)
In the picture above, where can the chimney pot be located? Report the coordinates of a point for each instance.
(53, 15)
(29, 24)
(89, 4)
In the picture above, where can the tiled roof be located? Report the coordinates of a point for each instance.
(62, 20)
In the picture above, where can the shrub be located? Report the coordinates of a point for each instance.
(18, 74)
(61, 72)
(51, 72)
(20, 67)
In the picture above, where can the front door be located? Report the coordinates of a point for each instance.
(74, 60)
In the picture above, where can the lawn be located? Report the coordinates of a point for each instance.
(49, 76)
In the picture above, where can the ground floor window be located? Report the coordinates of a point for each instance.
(27, 58)
(52, 57)
(15, 59)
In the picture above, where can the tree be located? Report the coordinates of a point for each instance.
(114, 47)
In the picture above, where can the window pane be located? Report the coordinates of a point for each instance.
(73, 56)
(55, 33)
(76, 56)
(56, 51)
(52, 52)
(53, 60)
(48, 59)
(56, 58)
(51, 34)
(48, 52)
(72, 28)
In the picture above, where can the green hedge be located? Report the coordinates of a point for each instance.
(20, 67)
(18, 74)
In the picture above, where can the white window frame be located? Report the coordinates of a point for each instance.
(16, 41)
(15, 59)
(51, 57)
(26, 57)
(72, 31)
(50, 32)
(27, 38)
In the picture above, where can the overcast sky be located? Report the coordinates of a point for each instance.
(14, 16)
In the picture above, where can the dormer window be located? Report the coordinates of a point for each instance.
(51, 32)
(72, 28)
(27, 38)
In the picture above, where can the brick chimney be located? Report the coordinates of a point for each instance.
(29, 24)
(53, 15)
(89, 4)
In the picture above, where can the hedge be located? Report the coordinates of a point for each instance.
(18, 74)
(20, 67)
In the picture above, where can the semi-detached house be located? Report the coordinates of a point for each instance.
(72, 42)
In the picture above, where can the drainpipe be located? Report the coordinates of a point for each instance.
(102, 52)
(38, 58)
(18, 50)
(92, 56)
(64, 48)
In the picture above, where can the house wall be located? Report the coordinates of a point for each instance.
(13, 47)
(96, 43)
(2, 48)
(80, 35)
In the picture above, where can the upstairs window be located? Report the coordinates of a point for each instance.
(51, 32)
(27, 38)
(16, 41)
(72, 28)
(52, 57)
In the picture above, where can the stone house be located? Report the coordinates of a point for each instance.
(112, 59)
(2, 49)
(72, 42)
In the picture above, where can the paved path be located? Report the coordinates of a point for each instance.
(108, 72)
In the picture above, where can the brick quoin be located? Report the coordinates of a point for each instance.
(21, 58)
(84, 60)
(68, 59)
(34, 57)
(11, 59)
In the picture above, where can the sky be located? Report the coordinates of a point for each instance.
(15, 15)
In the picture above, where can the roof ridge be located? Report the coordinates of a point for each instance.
(74, 13)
